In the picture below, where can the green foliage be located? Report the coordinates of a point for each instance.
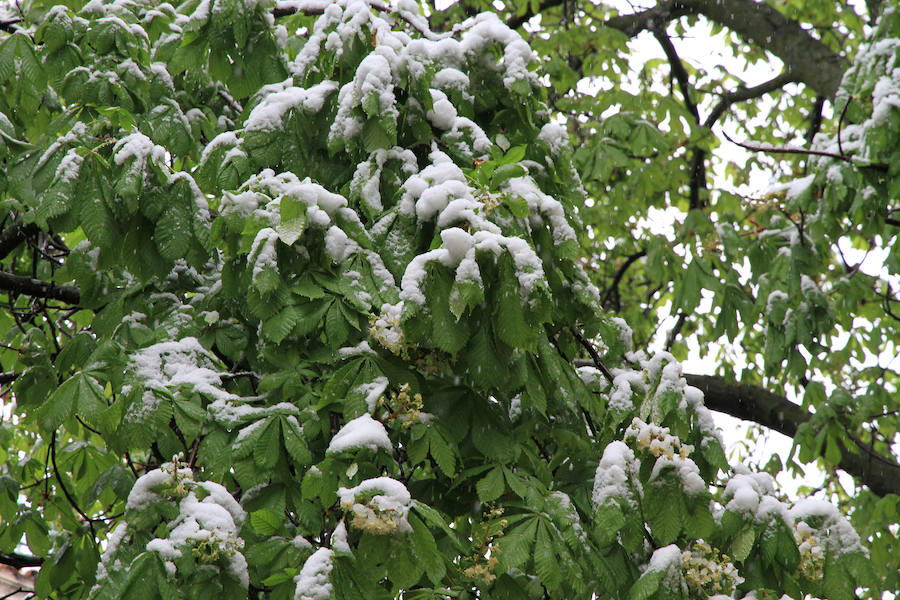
(331, 288)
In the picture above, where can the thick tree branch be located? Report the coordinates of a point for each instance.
(20, 561)
(14, 235)
(519, 20)
(662, 13)
(808, 58)
(811, 61)
(40, 289)
(752, 403)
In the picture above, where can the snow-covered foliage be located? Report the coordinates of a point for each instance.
(332, 302)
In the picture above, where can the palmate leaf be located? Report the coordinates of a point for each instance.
(517, 543)
(442, 452)
(491, 486)
(512, 327)
(80, 393)
(545, 561)
(664, 508)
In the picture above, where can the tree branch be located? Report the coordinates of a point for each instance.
(664, 12)
(9, 25)
(14, 235)
(519, 20)
(613, 288)
(808, 58)
(595, 358)
(752, 403)
(811, 61)
(786, 150)
(20, 561)
(743, 93)
(679, 73)
(40, 289)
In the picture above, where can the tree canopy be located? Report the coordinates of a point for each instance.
(346, 299)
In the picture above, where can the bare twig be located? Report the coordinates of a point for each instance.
(786, 150)
(841, 123)
(598, 363)
(66, 493)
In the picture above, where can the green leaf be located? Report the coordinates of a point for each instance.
(441, 452)
(266, 522)
(742, 543)
(546, 562)
(293, 220)
(266, 447)
(646, 586)
(491, 486)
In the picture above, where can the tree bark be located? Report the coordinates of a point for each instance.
(805, 57)
(20, 561)
(751, 403)
(39, 289)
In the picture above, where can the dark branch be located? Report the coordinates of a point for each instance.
(679, 73)
(20, 561)
(752, 403)
(19, 284)
(613, 288)
(65, 490)
(743, 94)
(13, 236)
(9, 25)
(815, 120)
(811, 61)
(662, 13)
(595, 358)
(786, 150)
(808, 58)
(519, 20)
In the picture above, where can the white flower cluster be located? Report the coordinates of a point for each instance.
(812, 554)
(707, 571)
(657, 440)
(385, 329)
(207, 525)
(379, 506)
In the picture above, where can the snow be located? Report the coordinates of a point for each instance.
(169, 364)
(744, 491)
(621, 393)
(141, 148)
(339, 539)
(313, 582)
(214, 517)
(443, 113)
(383, 508)
(69, 167)
(357, 350)
(278, 99)
(361, 432)
(555, 136)
(664, 559)
(833, 530)
(616, 474)
(372, 391)
(228, 138)
(367, 178)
